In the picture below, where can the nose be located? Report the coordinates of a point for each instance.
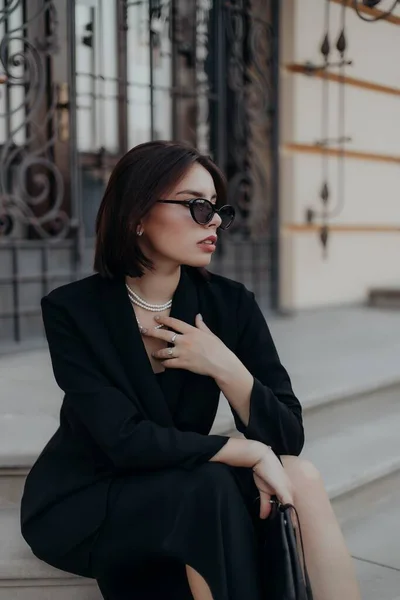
(215, 221)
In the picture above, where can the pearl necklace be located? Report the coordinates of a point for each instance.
(136, 299)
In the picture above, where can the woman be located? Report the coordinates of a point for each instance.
(131, 490)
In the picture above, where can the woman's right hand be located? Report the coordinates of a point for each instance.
(269, 475)
(271, 479)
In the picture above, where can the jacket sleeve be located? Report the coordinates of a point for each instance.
(275, 412)
(110, 417)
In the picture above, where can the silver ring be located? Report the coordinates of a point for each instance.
(170, 351)
(173, 338)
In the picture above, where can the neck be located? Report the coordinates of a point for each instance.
(156, 287)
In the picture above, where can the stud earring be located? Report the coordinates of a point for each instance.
(139, 233)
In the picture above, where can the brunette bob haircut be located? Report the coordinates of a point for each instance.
(142, 176)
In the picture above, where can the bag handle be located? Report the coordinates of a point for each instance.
(283, 508)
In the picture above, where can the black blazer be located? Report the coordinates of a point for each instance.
(114, 416)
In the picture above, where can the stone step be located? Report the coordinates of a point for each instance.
(28, 384)
(24, 577)
(355, 441)
(48, 589)
(224, 422)
(369, 517)
(11, 486)
(22, 437)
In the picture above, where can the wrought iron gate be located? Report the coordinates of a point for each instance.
(81, 81)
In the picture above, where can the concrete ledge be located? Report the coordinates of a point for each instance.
(41, 589)
(12, 483)
(22, 438)
(372, 475)
(357, 391)
(16, 559)
(355, 442)
(224, 422)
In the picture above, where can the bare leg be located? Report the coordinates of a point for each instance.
(198, 585)
(328, 561)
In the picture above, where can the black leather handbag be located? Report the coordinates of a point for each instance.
(283, 567)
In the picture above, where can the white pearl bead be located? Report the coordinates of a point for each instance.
(135, 299)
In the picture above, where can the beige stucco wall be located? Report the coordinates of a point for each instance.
(355, 261)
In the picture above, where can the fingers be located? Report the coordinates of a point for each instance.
(263, 486)
(265, 505)
(201, 325)
(285, 495)
(266, 491)
(165, 353)
(172, 363)
(176, 324)
(274, 483)
(161, 334)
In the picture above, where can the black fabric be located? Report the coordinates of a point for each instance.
(171, 399)
(208, 520)
(117, 421)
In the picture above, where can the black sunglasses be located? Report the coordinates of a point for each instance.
(202, 211)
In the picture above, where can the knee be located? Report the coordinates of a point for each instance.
(302, 473)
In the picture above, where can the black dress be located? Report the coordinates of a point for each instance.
(124, 491)
(211, 523)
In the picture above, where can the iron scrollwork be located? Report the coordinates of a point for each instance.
(203, 8)
(31, 185)
(251, 104)
(327, 211)
(372, 4)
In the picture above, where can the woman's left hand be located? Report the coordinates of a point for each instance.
(196, 349)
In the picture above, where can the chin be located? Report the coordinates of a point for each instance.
(200, 261)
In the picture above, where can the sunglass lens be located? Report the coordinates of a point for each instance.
(203, 212)
(227, 214)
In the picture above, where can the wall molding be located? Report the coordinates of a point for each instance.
(355, 154)
(370, 12)
(293, 228)
(302, 69)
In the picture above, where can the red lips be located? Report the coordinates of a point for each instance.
(212, 238)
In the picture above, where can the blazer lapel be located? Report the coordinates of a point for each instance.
(124, 331)
(198, 394)
(184, 307)
(125, 334)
